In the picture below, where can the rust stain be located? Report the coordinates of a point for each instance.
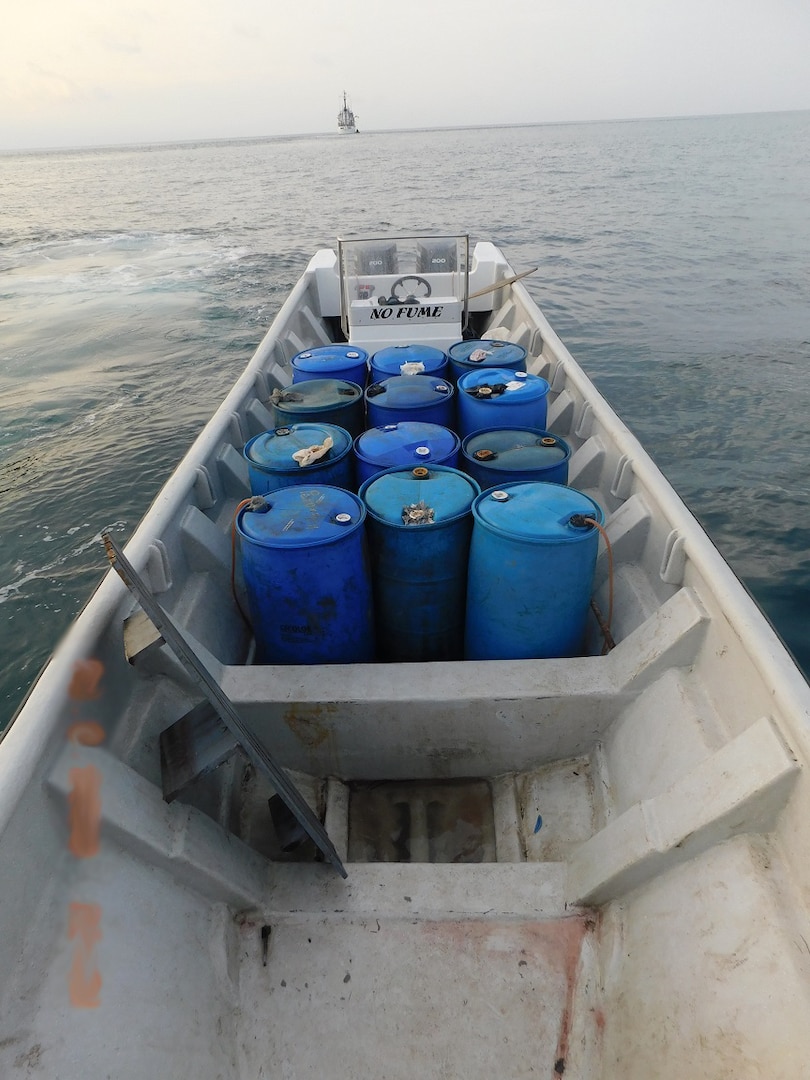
(84, 811)
(472, 809)
(84, 978)
(307, 726)
(555, 944)
(84, 684)
(572, 949)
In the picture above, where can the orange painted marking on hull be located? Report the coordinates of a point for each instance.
(84, 978)
(84, 807)
(84, 685)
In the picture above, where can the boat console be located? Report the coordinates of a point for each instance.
(419, 288)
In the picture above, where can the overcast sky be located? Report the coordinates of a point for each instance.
(88, 72)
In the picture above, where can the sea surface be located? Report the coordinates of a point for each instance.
(135, 283)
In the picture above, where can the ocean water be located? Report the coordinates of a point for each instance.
(135, 283)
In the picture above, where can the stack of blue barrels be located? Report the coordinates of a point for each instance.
(412, 506)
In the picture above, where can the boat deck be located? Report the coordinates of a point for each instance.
(398, 998)
(405, 968)
(497, 956)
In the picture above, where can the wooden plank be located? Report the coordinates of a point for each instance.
(192, 747)
(140, 637)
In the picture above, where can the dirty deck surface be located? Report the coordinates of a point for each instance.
(395, 998)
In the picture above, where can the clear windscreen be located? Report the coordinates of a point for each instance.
(392, 271)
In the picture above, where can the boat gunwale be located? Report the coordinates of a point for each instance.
(745, 617)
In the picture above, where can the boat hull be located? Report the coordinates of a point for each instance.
(592, 866)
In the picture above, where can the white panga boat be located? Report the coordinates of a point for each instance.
(593, 866)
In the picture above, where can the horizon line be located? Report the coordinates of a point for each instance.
(217, 139)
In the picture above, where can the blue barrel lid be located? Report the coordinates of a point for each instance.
(327, 357)
(396, 444)
(446, 492)
(515, 448)
(405, 391)
(487, 352)
(491, 383)
(537, 511)
(275, 449)
(302, 516)
(316, 394)
(392, 358)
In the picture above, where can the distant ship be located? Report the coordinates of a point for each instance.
(347, 121)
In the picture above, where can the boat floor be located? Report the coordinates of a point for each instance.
(403, 970)
(399, 998)
(466, 966)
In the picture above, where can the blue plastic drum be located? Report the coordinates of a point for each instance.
(498, 397)
(510, 455)
(532, 560)
(388, 362)
(426, 398)
(483, 353)
(296, 455)
(307, 577)
(419, 526)
(406, 444)
(331, 362)
(321, 401)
